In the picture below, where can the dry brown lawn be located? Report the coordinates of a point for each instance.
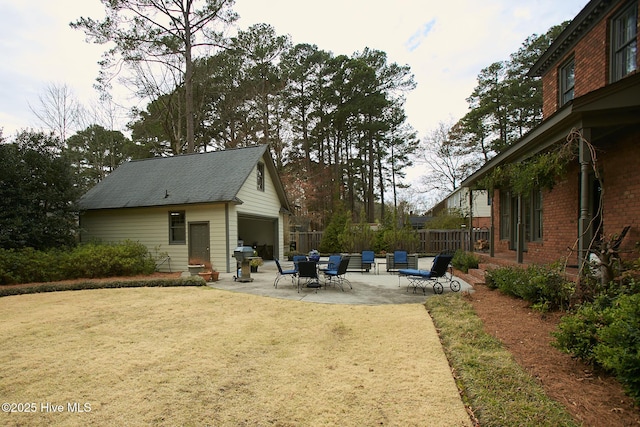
(198, 356)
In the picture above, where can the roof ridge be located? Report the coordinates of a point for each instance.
(198, 153)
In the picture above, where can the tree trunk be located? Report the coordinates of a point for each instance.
(370, 178)
(188, 86)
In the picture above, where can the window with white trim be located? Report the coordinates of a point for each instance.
(624, 42)
(567, 81)
(177, 228)
(261, 176)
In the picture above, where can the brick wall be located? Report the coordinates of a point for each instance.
(560, 224)
(619, 161)
(591, 55)
(620, 168)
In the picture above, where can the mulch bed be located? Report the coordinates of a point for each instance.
(594, 398)
(103, 279)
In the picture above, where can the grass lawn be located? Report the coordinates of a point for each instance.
(198, 356)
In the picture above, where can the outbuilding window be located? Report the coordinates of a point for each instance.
(261, 176)
(177, 228)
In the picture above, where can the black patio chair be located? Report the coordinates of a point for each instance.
(308, 273)
(434, 277)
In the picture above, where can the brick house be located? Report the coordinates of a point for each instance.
(591, 90)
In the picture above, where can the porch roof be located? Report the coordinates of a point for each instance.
(604, 110)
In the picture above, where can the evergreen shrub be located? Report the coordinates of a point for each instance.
(543, 286)
(84, 261)
(606, 333)
(463, 260)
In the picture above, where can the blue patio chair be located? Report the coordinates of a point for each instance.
(333, 262)
(282, 272)
(400, 260)
(338, 276)
(368, 260)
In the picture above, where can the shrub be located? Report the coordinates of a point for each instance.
(605, 329)
(85, 261)
(463, 260)
(577, 334)
(618, 349)
(330, 242)
(88, 284)
(606, 332)
(543, 286)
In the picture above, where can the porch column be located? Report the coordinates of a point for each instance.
(583, 221)
(492, 252)
(520, 232)
(471, 233)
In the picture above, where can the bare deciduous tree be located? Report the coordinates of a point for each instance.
(448, 161)
(58, 110)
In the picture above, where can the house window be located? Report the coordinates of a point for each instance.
(567, 82)
(177, 228)
(505, 215)
(261, 176)
(531, 216)
(624, 43)
(536, 206)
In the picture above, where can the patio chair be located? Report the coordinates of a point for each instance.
(368, 260)
(297, 259)
(308, 272)
(332, 264)
(282, 272)
(400, 260)
(338, 276)
(434, 277)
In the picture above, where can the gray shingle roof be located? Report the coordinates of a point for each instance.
(215, 176)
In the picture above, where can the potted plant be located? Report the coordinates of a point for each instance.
(255, 262)
(209, 273)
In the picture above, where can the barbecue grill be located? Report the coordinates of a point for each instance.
(243, 255)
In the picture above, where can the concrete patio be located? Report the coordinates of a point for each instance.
(368, 288)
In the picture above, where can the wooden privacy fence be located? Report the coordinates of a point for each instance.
(304, 242)
(429, 241)
(436, 241)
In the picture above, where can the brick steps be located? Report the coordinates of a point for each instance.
(475, 276)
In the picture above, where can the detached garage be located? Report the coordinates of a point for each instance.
(194, 206)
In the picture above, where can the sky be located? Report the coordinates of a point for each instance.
(445, 43)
